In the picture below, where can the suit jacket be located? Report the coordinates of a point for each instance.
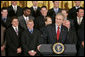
(79, 31)
(6, 24)
(52, 14)
(13, 41)
(30, 41)
(35, 14)
(23, 22)
(39, 22)
(72, 13)
(12, 13)
(50, 36)
(2, 35)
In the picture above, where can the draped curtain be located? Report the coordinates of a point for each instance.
(48, 4)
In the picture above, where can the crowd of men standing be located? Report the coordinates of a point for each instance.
(23, 30)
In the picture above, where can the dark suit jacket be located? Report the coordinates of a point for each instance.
(39, 22)
(79, 29)
(11, 12)
(30, 41)
(6, 24)
(77, 26)
(22, 21)
(13, 41)
(35, 14)
(72, 13)
(52, 14)
(49, 35)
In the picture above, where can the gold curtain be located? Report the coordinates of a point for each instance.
(48, 4)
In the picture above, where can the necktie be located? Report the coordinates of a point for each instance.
(35, 9)
(16, 30)
(4, 19)
(58, 33)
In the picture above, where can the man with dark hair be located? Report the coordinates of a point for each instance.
(79, 26)
(35, 10)
(40, 20)
(13, 41)
(14, 9)
(53, 12)
(5, 19)
(72, 12)
(26, 16)
(30, 39)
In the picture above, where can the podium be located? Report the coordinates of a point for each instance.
(46, 50)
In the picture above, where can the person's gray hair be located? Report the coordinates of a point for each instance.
(61, 15)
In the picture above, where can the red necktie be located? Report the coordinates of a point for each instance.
(58, 33)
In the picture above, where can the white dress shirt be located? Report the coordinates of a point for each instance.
(35, 8)
(57, 28)
(79, 20)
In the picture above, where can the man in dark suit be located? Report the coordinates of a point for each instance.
(13, 41)
(72, 12)
(5, 20)
(35, 10)
(14, 9)
(26, 16)
(79, 26)
(30, 39)
(40, 20)
(52, 12)
(57, 33)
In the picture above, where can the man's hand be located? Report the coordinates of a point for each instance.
(38, 47)
(83, 43)
(2, 48)
(32, 53)
(19, 50)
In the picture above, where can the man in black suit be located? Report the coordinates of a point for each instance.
(13, 41)
(79, 26)
(57, 33)
(14, 9)
(5, 20)
(30, 40)
(35, 10)
(52, 12)
(72, 12)
(25, 17)
(40, 20)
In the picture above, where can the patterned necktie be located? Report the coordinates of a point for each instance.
(16, 30)
(58, 34)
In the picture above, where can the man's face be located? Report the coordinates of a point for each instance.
(30, 25)
(44, 11)
(4, 13)
(15, 22)
(56, 4)
(49, 21)
(27, 12)
(35, 3)
(14, 2)
(64, 13)
(80, 13)
(59, 20)
(77, 3)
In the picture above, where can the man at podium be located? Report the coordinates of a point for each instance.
(58, 33)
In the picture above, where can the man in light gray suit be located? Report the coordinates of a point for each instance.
(2, 41)
(25, 17)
